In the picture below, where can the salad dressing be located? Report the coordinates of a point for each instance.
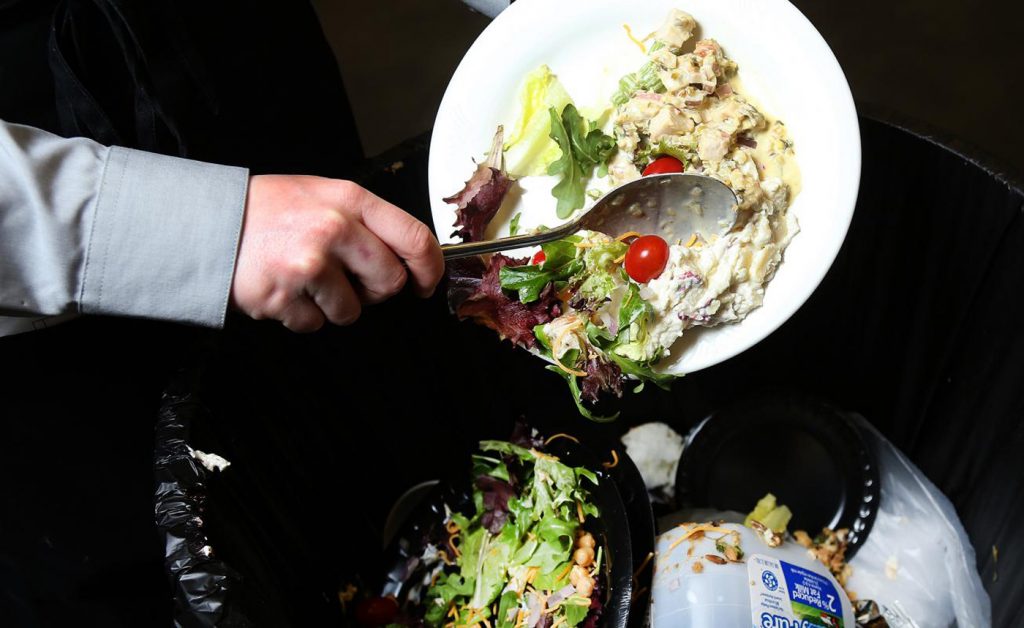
(776, 163)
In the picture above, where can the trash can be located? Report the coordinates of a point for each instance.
(915, 328)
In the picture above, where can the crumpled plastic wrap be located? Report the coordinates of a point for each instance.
(204, 586)
(918, 560)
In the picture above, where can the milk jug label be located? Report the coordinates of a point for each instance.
(784, 595)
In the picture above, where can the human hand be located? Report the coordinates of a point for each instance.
(316, 249)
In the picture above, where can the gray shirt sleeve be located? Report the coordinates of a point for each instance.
(90, 229)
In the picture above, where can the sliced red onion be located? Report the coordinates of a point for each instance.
(609, 322)
(560, 595)
(535, 607)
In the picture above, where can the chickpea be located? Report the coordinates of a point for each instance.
(583, 556)
(585, 539)
(582, 581)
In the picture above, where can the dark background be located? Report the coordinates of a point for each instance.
(326, 430)
(942, 64)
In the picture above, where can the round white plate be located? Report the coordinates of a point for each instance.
(784, 64)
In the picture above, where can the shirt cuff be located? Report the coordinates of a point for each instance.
(164, 238)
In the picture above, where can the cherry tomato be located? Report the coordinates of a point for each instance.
(646, 258)
(663, 165)
(538, 257)
(376, 611)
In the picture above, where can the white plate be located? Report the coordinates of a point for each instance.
(784, 64)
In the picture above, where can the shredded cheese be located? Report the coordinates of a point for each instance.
(619, 259)
(632, 38)
(571, 327)
(444, 555)
(557, 344)
(520, 618)
(628, 234)
(531, 573)
(693, 238)
(542, 456)
(455, 548)
(703, 527)
(614, 463)
(584, 245)
(565, 572)
(562, 435)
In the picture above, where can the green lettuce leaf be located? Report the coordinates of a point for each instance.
(574, 613)
(583, 146)
(507, 610)
(513, 226)
(529, 149)
(570, 189)
(634, 309)
(550, 580)
(504, 447)
(492, 568)
(574, 388)
(641, 370)
(560, 264)
(602, 276)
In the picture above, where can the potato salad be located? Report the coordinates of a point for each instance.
(688, 113)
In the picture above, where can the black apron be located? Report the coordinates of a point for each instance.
(239, 83)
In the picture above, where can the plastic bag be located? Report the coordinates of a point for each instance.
(204, 587)
(917, 562)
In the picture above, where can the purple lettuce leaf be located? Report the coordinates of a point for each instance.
(479, 200)
(492, 307)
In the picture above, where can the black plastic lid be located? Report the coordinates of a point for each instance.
(805, 451)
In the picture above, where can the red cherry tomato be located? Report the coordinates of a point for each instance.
(663, 165)
(538, 257)
(376, 611)
(646, 258)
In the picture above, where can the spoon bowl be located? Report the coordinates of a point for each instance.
(676, 207)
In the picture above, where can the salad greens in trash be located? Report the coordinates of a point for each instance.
(522, 556)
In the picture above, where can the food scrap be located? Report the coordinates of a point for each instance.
(525, 554)
(611, 310)
(479, 200)
(829, 548)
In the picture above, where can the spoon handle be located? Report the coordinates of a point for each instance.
(468, 249)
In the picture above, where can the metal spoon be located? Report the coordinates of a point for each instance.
(673, 206)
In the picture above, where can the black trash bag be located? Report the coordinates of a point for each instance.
(204, 586)
(939, 377)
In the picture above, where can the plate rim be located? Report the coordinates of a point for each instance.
(843, 208)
